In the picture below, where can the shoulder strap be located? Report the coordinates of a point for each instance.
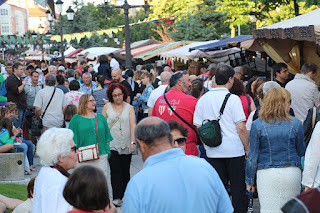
(249, 103)
(314, 116)
(44, 112)
(184, 121)
(97, 132)
(224, 105)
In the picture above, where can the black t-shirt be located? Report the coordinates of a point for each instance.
(281, 84)
(128, 86)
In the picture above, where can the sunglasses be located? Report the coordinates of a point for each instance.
(74, 148)
(181, 140)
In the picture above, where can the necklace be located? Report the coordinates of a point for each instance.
(119, 116)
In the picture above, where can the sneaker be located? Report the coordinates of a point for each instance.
(117, 202)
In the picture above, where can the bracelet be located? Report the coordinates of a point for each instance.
(132, 142)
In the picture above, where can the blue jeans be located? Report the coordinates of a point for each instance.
(18, 122)
(23, 148)
(30, 150)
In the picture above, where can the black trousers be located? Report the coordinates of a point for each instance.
(120, 173)
(232, 169)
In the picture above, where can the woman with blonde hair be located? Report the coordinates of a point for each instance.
(146, 79)
(276, 147)
(90, 128)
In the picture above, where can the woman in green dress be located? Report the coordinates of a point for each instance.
(84, 126)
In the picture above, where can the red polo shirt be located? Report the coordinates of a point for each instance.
(184, 105)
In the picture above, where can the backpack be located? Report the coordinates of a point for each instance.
(3, 89)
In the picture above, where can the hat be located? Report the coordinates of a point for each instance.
(269, 85)
(23, 75)
(61, 68)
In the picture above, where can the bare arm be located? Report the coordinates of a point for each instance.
(38, 112)
(243, 134)
(252, 105)
(132, 122)
(10, 203)
(21, 87)
(104, 111)
(150, 111)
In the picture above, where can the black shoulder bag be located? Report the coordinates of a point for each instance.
(184, 121)
(210, 132)
(37, 126)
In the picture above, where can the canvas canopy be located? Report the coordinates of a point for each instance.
(93, 52)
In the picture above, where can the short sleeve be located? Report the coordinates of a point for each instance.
(38, 100)
(197, 116)
(237, 110)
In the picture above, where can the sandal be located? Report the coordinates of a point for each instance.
(32, 169)
(27, 173)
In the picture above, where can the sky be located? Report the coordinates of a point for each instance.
(67, 3)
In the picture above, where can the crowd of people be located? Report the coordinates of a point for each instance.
(92, 119)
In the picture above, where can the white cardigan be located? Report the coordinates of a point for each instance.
(311, 172)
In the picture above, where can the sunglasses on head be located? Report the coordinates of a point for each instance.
(181, 140)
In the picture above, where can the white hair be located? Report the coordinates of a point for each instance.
(53, 143)
(268, 85)
(237, 69)
(52, 66)
(87, 73)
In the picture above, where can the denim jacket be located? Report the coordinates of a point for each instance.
(274, 145)
(143, 98)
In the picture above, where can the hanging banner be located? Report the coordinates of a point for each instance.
(19, 40)
(67, 38)
(78, 37)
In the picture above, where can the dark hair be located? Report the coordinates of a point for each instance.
(309, 67)
(74, 64)
(175, 125)
(60, 79)
(237, 87)
(248, 86)
(100, 80)
(16, 66)
(125, 77)
(85, 194)
(103, 59)
(30, 187)
(74, 85)
(111, 55)
(4, 111)
(70, 73)
(223, 74)
(148, 133)
(33, 72)
(159, 69)
(30, 67)
(176, 77)
(129, 73)
(82, 62)
(7, 123)
(278, 67)
(9, 64)
(199, 66)
(69, 112)
(149, 67)
(196, 88)
(112, 87)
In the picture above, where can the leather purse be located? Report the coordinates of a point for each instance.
(91, 152)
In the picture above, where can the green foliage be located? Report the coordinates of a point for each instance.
(14, 191)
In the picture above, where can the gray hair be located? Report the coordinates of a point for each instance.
(237, 69)
(152, 128)
(70, 73)
(52, 66)
(51, 80)
(165, 76)
(54, 143)
(87, 73)
(269, 85)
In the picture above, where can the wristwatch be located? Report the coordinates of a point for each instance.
(132, 142)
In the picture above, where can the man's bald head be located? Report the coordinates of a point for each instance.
(165, 77)
(116, 75)
(151, 129)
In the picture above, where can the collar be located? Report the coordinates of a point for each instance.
(163, 156)
(219, 89)
(302, 76)
(175, 90)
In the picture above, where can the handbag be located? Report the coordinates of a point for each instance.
(210, 132)
(184, 121)
(307, 137)
(91, 152)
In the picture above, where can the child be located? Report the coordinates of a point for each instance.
(70, 111)
(8, 136)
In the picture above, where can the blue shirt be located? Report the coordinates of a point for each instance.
(89, 90)
(172, 181)
(274, 145)
(143, 98)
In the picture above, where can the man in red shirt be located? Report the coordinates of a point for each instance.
(183, 104)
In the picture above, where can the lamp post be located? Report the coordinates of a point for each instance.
(3, 49)
(70, 16)
(41, 30)
(253, 20)
(126, 8)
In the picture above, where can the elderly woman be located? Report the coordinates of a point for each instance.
(276, 147)
(58, 154)
(179, 135)
(86, 195)
(88, 127)
(121, 121)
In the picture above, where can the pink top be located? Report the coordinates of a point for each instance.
(246, 104)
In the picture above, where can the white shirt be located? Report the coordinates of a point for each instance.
(48, 192)
(250, 120)
(25, 207)
(311, 172)
(95, 67)
(208, 107)
(155, 94)
(114, 64)
(54, 114)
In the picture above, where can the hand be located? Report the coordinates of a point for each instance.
(15, 131)
(19, 140)
(306, 188)
(111, 208)
(246, 154)
(132, 148)
(24, 83)
(250, 187)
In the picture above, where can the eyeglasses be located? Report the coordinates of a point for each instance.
(118, 95)
(92, 101)
(74, 148)
(181, 140)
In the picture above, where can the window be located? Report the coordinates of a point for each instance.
(5, 29)
(3, 12)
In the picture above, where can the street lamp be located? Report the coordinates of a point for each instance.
(3, 49)
(70, 14)
(126, 8)
(253, 20)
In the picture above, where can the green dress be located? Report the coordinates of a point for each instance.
(84, 130)
(2, 98)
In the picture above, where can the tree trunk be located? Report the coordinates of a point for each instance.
(296, 7)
